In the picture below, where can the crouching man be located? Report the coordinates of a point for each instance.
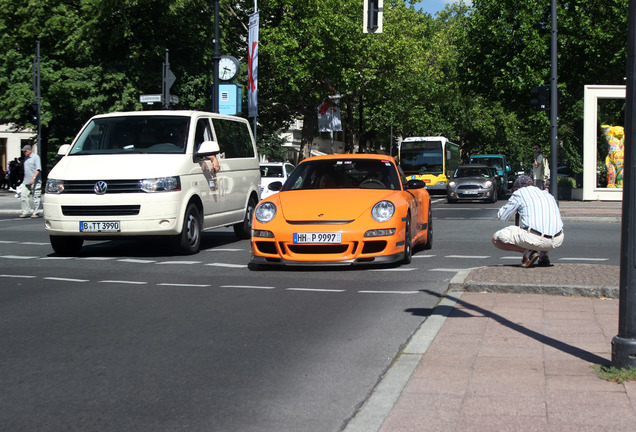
(540, 227)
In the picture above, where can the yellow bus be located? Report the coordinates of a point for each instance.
(430, 159)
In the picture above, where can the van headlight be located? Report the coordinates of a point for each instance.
(162, 184)
(54, 186)
(383, 211)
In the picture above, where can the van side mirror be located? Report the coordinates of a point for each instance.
(208, 148)
(63, 150)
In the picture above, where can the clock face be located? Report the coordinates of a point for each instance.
(228, 68)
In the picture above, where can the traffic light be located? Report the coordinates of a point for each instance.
(541, 97)
(33, 113)
(373, 16)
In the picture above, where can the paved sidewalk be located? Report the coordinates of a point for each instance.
(492, 357)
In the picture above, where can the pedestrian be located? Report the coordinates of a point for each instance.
(31, 190)
(540, 168)
(540, 228)
(14, 174)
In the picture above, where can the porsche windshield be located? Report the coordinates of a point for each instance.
(133, 134)
(344, 173)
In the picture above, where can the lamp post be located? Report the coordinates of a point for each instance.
(215, 57)
(624, 344)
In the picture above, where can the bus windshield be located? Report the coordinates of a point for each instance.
(423, 157)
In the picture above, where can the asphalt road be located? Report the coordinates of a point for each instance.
(128, 337)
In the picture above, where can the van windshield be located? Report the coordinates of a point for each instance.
(133, 134)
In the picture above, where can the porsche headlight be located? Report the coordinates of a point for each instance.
(383, 211)
(265, 212)
(54, 186)
(162, 184)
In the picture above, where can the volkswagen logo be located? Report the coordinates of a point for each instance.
(100, 187)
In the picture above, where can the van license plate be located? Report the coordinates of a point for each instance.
(317, 238)
(99, 227)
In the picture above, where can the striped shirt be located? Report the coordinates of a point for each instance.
(537, 210)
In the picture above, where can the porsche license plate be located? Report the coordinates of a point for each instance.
(99, 227)
(317, 238)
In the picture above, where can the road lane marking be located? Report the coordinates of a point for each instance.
(59, 258)
(423, 256)
(450, 270)
(398, 269)
(387, 292)
(468, 256)
(227, 265)
(20, 257)
(314, 290)
(184, 285)
(123, 282)
(18, 276)
(582, 259)
(249, 287)
(137, 261)
(179, 262)
(224, 250)
(65, 279)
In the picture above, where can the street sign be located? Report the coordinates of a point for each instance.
(150, 99)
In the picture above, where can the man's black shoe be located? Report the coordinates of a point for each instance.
(544, 261)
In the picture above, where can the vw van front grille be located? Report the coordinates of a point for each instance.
(113, 210)
(112, 186)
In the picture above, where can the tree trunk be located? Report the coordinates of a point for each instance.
(307, 135)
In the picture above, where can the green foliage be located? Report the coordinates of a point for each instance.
(612, 374)
(465, 74)
(566, 182)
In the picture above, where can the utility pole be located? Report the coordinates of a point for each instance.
(624, 344)
(215, 57)
(554, 104)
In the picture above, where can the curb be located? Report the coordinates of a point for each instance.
(377, 407)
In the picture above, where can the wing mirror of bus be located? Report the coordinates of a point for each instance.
(63, 150)
(415, 184)
(208, 148)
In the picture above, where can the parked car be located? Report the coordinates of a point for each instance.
(272, 172)
(152, 173)
(472, 182)
(343, 209)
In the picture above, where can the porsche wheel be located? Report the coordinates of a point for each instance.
(408, 244)
(429, 230)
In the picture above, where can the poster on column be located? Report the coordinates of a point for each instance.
(252, 66)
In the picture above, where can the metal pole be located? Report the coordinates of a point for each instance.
(624, 344)
(215, 57)
(554, 104)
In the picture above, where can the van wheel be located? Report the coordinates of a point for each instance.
(66, 245)
(408, 244)
(243, 230)
(189, 241)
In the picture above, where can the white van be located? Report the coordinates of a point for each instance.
(151, 173)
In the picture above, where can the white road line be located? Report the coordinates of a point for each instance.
(53, 258)
(184, 285)
(179, 262)
(398, 269)
(224, 250)
(518, 258)
(314, 290)
(423, 256)
(137, 261)
(18, 276)
(388, 292)
(468, 256)
(35, 243)
(583, 259)
(227, 265)
(450, 270)
(97, 258)
(8, 241)
(249, 287)
(66, 279)
(20, 257)
(123, 282)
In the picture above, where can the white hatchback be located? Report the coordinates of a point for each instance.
(272, 172)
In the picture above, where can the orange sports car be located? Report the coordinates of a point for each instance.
(343, 209)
